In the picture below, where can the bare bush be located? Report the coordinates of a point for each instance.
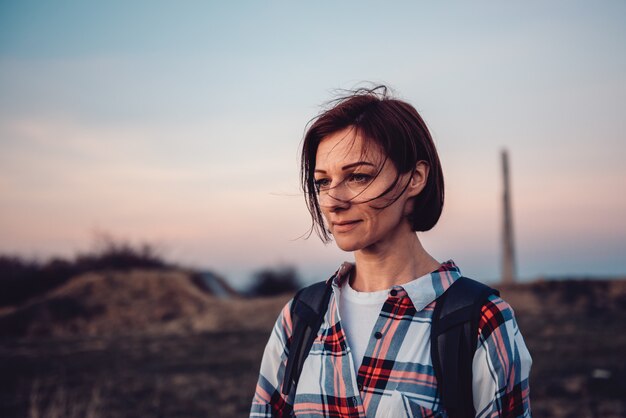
(269, 282)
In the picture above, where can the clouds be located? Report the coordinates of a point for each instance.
(181, 124)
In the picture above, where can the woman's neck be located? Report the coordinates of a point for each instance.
(384, 265)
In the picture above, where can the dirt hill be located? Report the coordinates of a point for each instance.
(107, 303)
(132, 302)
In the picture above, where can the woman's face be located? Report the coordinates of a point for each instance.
(350, 184)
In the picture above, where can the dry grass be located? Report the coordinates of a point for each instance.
(63, 404)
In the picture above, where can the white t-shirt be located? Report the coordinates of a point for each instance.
(358, 312)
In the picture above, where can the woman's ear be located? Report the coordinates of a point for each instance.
(419, 176)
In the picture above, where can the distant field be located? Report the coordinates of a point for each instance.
(206, 375)
(574, 330)
(576, 334)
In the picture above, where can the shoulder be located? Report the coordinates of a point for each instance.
(494, 314)
(502, 363)
(500, 337)
(304, 305)
(284, 321)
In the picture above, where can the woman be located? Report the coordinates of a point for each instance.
(372, 179)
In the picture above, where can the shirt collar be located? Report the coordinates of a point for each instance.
(422, 291)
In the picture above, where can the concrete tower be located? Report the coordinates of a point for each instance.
(508, 249)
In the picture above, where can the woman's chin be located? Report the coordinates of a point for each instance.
(348, 245)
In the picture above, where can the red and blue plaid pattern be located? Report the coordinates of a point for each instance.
(396, 377)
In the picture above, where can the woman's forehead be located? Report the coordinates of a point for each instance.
(347, 146)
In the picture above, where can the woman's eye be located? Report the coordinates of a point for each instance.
(322, 184)
(360, 178)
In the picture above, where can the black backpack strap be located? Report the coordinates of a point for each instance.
(454, 336)
(307, 314)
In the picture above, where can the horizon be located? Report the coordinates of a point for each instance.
(243, 280)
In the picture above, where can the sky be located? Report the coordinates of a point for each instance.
(179, 124)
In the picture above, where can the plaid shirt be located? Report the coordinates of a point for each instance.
(396, 377)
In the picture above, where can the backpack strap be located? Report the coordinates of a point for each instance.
(307, 314)
(454, 336)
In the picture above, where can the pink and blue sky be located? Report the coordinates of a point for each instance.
(179, 124)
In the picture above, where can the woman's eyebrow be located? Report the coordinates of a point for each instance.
(349, 166)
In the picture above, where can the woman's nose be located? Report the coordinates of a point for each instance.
(336, 198)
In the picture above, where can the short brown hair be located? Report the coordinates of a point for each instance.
(402, 135)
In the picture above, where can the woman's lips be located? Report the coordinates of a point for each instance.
(344, 226)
